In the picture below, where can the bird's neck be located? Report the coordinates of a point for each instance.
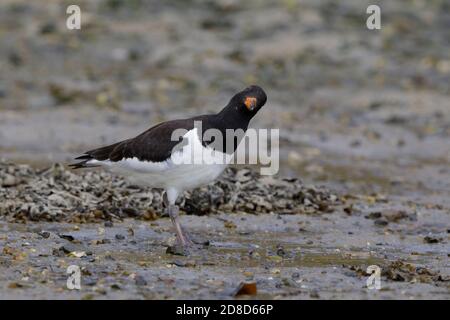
(231, 118)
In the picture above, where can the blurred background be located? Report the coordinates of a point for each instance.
(359, 109)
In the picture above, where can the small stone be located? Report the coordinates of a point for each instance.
(9, 181)
(314, 294)
(177, 250)
(70, 248)
(67, 237)
(380, 222)
(186, 264)
(428, 239)
(245, 289)
(77, 254)
(57, 200)
(15, 285)
(275, 271)
(44, 234)
(374, 215)
(280, 251)
(108, 224)
(140, 281)
(119, 236)
(229, 224)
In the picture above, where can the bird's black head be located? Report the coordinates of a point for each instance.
(249, 100)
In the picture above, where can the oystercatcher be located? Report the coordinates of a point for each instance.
(155, 159)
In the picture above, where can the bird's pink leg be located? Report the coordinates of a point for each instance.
(182, 237)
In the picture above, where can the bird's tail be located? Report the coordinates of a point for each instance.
(99, 154)
(84, 163)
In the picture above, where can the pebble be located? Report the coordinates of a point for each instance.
(177, 250)
(59, 194)
(67, 237)
(44, 234)
(429, 239)
(69, 248)
(381, 222)
(314, 294)
(108, 224)
(119, 236)
(8, 181)
(140, 280)
(186, 264)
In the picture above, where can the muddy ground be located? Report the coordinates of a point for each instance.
(363, 116)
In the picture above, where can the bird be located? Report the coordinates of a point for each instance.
(155, 159)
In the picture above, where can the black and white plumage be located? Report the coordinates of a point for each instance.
(153, 159)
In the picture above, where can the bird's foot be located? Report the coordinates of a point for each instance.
(192, 241)
(184, 239)
(186, 244)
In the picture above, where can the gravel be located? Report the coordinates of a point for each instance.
(60, 194)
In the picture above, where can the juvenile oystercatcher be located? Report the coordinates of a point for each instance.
(155, 159)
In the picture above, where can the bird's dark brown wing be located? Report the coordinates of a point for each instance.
(153, 145)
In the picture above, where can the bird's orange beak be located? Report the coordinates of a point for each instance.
(250, 103)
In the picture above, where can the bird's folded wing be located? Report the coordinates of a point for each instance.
(154, 145)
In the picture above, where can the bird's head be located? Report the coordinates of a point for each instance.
(249, 100)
